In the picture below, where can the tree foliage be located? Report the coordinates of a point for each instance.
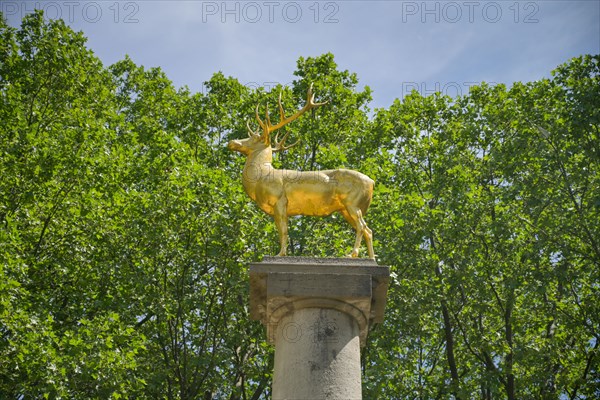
(125, 233)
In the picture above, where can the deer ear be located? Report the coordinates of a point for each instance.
(266, 138)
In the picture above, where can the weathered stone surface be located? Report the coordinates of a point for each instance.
(342, 261)
(317, 356)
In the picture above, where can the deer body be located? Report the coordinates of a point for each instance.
(284, 193)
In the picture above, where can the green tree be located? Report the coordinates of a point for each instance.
(59, 339)
(494, 195)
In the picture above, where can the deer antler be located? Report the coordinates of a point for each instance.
(279, 144)
(251, 133)
(268, 128)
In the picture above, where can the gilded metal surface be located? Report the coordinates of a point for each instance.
(282, 193)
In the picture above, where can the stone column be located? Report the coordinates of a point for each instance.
(317, 312)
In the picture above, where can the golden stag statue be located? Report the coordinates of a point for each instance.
(283, 193)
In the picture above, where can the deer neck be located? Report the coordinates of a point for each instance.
(258, 167)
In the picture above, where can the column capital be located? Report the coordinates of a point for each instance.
(281, 285)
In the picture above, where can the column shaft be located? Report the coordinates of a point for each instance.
(317, 356)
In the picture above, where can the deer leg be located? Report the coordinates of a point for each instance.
(368, 233)
(354, 216)
(359, 232)
(281, 222)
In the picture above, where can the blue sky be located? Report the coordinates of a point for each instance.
(393, 46)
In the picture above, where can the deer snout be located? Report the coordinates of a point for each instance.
(234, 145)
